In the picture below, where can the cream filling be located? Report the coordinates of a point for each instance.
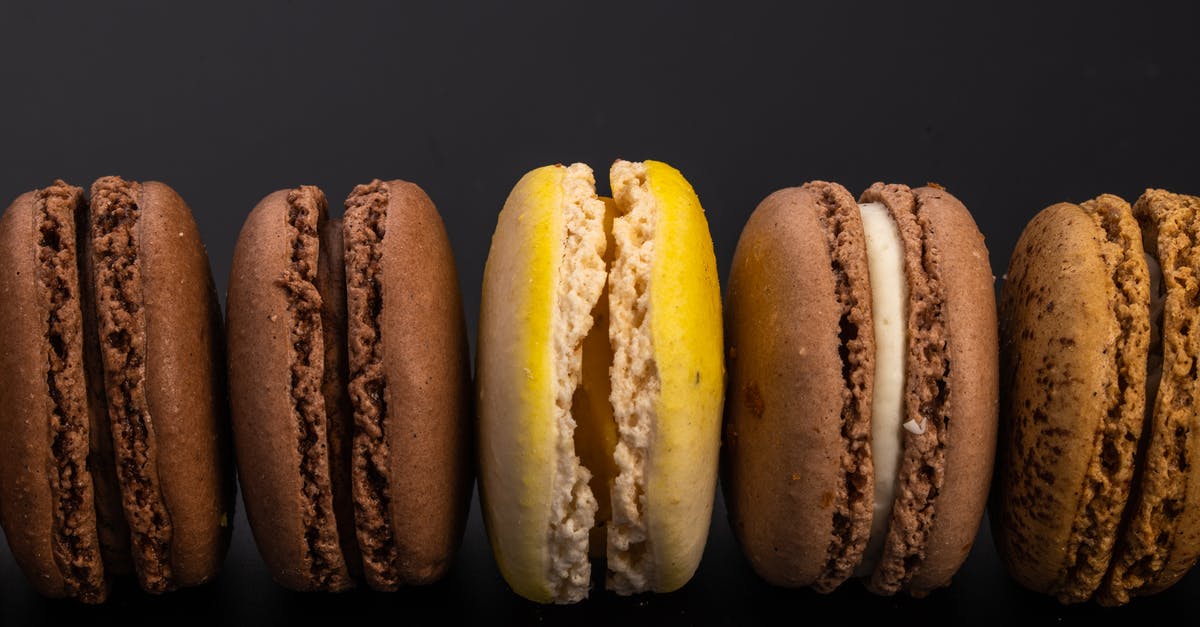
(889, 294)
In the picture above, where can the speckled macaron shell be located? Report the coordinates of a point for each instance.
(1161, 538)
(1075, 321)
(796, 457)
(1161, 531)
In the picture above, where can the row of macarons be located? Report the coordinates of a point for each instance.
(855, 389)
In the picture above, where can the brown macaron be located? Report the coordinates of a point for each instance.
(861, 417)
(1097, 490)
(113, 429)
(349, 381)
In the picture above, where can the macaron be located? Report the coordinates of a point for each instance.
(600, 381)
(350, 388)
(861, 419)
(1097, 492)
(113, 422)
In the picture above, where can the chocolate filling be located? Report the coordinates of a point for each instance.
(366, 214)
(306, 210)
(122, 330)
(75, 542)
(854, 500)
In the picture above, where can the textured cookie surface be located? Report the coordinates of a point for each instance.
(685, 326)
(1161, 538)
(798, 477)
(955, 253)
(1075, 322)
(46, 489)
(408, 380)
(278, 362)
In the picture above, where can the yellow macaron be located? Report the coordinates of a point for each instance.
(600, 382)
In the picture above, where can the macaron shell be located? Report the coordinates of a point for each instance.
(426, 367)
(1161, 538)
(972, 384)
(185, 385)
(1060, 328)
(784, 444)
(685, 306)
(26, 501)
(515, 381)
(265, 429)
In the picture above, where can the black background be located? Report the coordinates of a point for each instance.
(1011, 106)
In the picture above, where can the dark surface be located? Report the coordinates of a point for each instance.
(1011, 107)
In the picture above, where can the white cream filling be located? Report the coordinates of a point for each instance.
(889, 295)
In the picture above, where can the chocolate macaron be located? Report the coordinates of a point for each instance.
(349, 381)
(113, 429)
(1097, 490)
(862, 404)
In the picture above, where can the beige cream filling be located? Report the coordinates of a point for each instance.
(581, 278)
(889, 294)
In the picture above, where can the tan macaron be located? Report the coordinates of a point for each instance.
(1097, 492)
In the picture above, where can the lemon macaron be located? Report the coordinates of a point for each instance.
(600, 382)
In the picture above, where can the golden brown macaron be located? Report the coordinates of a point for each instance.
(349, 380)
(862, 410)
(113, 430)
(1097, 491)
